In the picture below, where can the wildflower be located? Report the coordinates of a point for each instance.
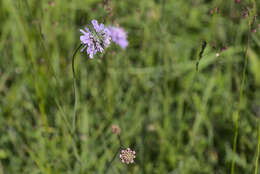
(211, 12)
(224, 48)
(115, 129)
(217, 54)
(127, 156)
(216, 9)
(95, 41)
(245, 13)
(254, 30)
(119, 36)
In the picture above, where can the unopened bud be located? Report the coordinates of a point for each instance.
(115, 129)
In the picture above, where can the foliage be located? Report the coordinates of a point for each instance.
(177, 120)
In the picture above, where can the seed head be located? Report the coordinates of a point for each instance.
(127, 156)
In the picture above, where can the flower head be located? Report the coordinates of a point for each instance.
(119, 36)
(95, 41)
(211, 12)
(245, 13)
(115, 129)
(127, 156)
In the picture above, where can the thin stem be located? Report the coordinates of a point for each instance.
(258, 149)
(114, 157)
(111, 161)
(240, 98)
(120, 141)
(75, 88)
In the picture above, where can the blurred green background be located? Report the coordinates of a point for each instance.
(178, 121)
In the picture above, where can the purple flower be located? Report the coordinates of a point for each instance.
(119, 36)
(95, 41)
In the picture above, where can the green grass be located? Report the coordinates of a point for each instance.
(178, 120)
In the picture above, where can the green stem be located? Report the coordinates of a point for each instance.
(240, 98)
(258, 149)
(75, 88)
(112, 160)
(114, 157)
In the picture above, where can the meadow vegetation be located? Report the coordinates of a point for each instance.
(179, 120)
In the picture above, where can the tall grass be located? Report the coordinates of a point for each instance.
(257, 152)
(251, 20)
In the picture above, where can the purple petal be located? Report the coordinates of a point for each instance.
(95, 25)
(83, 32)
